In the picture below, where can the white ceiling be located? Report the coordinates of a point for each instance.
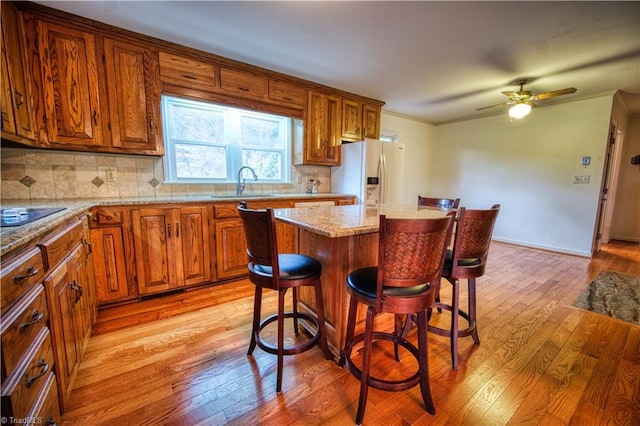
(435, 61)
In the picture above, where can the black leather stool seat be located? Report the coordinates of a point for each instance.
(365, 280)
(292, 267)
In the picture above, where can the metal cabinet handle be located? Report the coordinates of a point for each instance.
(36, 317)
(44, 368)
(95, 117)
(169, 230)
(89, 246)
(51, 422)
(19, 99)
(243, 88)
(177, 230)
(190, 77)
(31, 271)
(78, 289)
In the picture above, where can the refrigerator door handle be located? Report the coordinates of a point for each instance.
(382, 176)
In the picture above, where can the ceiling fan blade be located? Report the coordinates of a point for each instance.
(491, 106)
(547, 95)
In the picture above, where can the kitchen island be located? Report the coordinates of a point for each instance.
(343, 238)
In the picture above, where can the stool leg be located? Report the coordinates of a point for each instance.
(281, 294)
(295, 310)
(366, 365)
(255, 329)
(455, 304)
(351, 325)
(322, 329)
(472, 310)
(423, 350)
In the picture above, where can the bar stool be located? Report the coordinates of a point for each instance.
(410, 260)
(443, 203)
(467, 260)
(271, 270)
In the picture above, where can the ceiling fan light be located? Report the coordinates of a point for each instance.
(519, 110)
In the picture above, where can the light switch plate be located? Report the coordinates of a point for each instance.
(584, 179)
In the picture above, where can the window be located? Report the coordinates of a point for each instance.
(206, 142)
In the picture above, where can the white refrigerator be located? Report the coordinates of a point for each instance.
(371, 169)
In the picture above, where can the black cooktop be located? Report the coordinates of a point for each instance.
(22, 216)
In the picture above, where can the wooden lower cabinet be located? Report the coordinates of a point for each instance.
(172, 247)
(70, 312)
(110, 266)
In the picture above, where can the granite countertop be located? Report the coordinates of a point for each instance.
(342, 221)
(17, 236)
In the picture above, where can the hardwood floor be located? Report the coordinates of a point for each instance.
(181, 359)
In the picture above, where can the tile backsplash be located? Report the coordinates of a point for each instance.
(32, 174)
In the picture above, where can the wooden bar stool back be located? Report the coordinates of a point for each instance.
(467, 260)
(270, 270)
(410, 261)
(442, 203)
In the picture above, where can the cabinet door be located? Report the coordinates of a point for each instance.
(61, 298)
(17, 114)
(231, 249)
(371, 121)
(80, 287)
(155, 249)
(110, 266)
(192, 231)
(69, 77)
(133, 87)
(243, 83)
(315, 142)
(351, 120)
(333, 152)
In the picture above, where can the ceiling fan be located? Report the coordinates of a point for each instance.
(523, 99)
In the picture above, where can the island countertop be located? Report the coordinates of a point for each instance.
(342, 221)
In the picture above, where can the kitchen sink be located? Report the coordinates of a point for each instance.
(21, 216)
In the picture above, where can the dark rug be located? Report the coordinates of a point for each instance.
(613, 294)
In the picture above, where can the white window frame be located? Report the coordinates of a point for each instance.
(234, 149)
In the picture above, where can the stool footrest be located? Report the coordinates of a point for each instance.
(387, 385)
(446, 332)
(293, 349)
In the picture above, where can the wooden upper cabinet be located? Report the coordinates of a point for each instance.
(322, 142)
(186, 72)
(351, 120)
(69, 84)
(288, 93)
(360, 121)
(243, 83)
(17, 113)
(133, 88)
(371, 121)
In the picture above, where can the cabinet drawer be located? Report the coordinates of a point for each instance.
(56, 248)
(243, 83)
(22, 389)
(186, 72)
(21, 325)
(106, 217)
(19, 273)
(225, 211)
(46, 410)
(287, 92)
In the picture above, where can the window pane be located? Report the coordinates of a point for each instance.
(199, 125)
(260, 132)
(200, 161)
(265, 163)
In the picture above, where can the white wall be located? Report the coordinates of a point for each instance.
(527, 166)
(419, 140)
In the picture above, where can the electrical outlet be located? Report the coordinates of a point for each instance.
(584, 179)
(111, 175)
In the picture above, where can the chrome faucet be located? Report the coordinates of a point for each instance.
(240, 185)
